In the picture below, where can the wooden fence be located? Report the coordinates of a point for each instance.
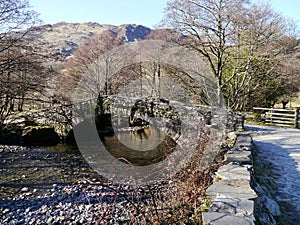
(280, 117)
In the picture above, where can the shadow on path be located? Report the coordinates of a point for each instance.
(280, 149)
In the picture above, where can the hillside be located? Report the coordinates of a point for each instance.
(60, 40)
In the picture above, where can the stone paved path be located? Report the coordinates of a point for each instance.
(281, 147)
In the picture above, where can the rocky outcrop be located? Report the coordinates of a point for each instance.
(136, 32)
(64, 38)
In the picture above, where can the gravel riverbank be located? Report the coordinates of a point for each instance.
(43, 186)
(82, 203)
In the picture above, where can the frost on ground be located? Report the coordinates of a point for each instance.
(281, 148)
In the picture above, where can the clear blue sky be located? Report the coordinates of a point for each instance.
(116, 12)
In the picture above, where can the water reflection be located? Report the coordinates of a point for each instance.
(63, 149)
(141, 139)
(140, 147)
(142, 133)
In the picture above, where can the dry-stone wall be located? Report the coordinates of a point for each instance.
(231, 195)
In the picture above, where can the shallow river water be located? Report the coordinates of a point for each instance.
(34, 170)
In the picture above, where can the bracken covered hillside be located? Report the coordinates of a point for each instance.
(60, 40)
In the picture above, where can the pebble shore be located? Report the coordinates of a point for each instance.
(82, 203)
(86, 201)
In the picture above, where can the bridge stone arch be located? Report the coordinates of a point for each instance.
(108, 66)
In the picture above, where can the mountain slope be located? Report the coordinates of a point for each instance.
(62, 39)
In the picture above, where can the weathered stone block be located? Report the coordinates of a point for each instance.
(233, 188)
(234, 206)
(233, 172)
(241, 158)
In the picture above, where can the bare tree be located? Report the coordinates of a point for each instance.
(80, 63)
(15, 16)
(242, 43)
(253, 74)
(16, 65)
(23, 79)
(207, 27)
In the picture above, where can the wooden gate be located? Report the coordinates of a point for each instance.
(281, 117)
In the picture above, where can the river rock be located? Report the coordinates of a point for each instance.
(24, 189)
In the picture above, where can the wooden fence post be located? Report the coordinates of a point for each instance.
(297, 118)
(271, 113)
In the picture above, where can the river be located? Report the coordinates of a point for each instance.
(37, 169)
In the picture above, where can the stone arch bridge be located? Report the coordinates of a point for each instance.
(128, 113)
